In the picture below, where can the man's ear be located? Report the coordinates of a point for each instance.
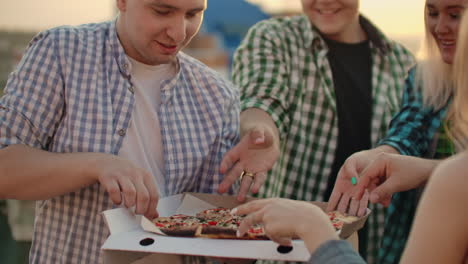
(122, 5)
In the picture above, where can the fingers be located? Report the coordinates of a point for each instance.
(128, 191)
(334, 199)
(250, 220)
(346, 172)
(363, 203)
(137, 189)
(230, 178)
(229, 159)
(344, 203)
(250, 207)
(113, 188)
(251, 183)
(244, 188)
(260, 178)
(353, 207)
(281, 240)
(382, 193)
(371, 174)
(142, 198)
(153, 197)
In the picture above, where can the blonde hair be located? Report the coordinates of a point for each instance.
(459, 111)
(433, 75)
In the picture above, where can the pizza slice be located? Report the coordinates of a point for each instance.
(219, 223)
(338, 219)
(178, 225)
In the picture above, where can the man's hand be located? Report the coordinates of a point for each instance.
(127, 184)
(341, 198)
(255, 154)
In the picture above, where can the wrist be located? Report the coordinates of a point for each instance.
(316, 230)
(93, 162)
(386, 149)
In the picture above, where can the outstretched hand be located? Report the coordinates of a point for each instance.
(341, 197)
(255, 154)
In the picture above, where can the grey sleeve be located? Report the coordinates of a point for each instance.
(336, 252)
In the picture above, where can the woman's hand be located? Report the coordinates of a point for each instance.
(285, 219)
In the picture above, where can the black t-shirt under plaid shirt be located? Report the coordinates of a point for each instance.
(351, 65)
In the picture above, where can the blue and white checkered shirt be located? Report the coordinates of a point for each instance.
(72, 92)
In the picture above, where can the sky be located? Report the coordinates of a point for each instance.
(394, 17)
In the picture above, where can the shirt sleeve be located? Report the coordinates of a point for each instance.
(336, 252)
(412, 129)
(33, 97)
(259, 69)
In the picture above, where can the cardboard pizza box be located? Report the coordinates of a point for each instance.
(133, 238)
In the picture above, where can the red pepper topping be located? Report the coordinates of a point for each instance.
(255, 230)
(212, 223)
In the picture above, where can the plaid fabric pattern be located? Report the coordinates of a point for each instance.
(282, 68)
(72, 92)
(445, 145)
(411, 132)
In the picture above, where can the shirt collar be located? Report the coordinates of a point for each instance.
(121, 57)
(117, 49)
(314, 40)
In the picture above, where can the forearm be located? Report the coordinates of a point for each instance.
(252, 117)
(31, 174)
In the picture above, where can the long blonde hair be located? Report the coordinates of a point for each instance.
(433, 75)
(459, 111)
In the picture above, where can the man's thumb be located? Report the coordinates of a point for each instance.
(257, 136)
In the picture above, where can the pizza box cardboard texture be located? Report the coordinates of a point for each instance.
(133, 237)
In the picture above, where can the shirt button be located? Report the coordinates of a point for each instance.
(125, 66)
(131, 89)
(122, 132)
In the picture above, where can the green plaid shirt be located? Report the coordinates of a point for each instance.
(282, 68)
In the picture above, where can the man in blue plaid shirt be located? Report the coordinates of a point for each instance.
(112, 114)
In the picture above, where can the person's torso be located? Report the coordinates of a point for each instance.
(309, 145)
(98, 102)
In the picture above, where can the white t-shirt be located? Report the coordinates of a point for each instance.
(143, 142)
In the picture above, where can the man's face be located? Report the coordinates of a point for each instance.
(154, 31)
(336, 19)
(442, 21)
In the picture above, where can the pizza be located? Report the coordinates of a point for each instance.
(219, 223)
(211, 223)
(339, 219)
(177, 225)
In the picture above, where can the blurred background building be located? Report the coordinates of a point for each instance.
(226, 23)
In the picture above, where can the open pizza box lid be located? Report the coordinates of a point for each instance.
(134, 238)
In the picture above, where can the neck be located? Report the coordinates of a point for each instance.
(354, 33)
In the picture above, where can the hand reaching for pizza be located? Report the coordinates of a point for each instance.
(255, 154)
(284, 219)
(392, 173)
(342, 196)
(127, 184)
